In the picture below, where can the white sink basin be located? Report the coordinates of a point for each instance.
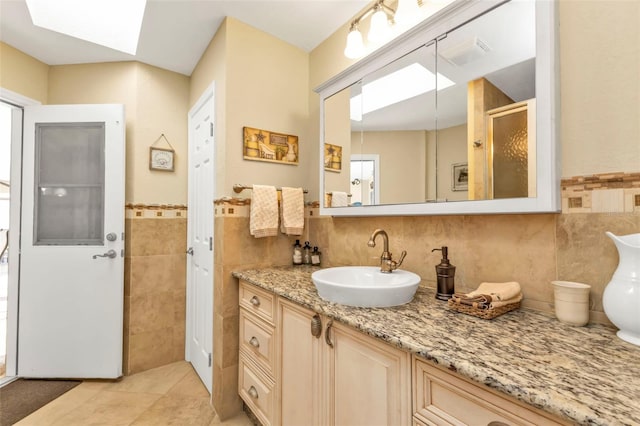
(365, 286)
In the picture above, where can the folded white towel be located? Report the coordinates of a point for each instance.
(263, 220)
(292, 211)
(339, 199)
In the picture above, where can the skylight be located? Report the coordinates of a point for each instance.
(406, 83)
(112, 23)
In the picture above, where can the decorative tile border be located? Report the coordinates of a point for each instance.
(601, 193)
(155, 211)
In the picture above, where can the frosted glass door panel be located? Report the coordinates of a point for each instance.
(510, 155)
(69, 168)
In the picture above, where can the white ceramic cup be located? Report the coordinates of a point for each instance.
(571, 302)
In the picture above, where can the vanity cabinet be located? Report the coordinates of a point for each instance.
(319, 372)
(298, 367)
(333, 375)
(257, 358)
(442, 398)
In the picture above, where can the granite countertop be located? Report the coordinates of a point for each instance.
(582, 374)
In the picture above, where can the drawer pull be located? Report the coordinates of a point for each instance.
(327, 336)
(253, 393)
(255, 301)
(254, 342)
(316, 326)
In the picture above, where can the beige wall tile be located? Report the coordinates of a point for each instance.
(151, 312)
(157, 273)
(585, 254)
(229, 403)
(157, 236)
(228, 295)
(150, 349)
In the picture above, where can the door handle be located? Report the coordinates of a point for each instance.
(189, 251)
(111, 254)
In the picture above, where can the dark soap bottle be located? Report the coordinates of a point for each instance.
(445, 272)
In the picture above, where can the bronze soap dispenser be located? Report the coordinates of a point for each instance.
(445, 272)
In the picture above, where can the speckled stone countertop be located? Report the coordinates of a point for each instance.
(585, 375)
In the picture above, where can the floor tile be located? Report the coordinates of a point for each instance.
(109, 408)
(157, 380)
(178, 411)
(63, 405)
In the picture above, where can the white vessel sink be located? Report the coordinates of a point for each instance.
(365, 286)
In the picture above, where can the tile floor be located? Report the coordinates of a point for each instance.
(167, 395)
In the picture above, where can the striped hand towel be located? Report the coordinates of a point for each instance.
(263, 220)
(292, 222)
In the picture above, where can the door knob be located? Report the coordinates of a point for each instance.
(111, 254)
(112, 236)
(190, 251)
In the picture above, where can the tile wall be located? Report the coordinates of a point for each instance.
(532, 249)
(155, 286)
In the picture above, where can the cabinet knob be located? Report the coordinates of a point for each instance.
(253, 393)
(254, 342)
(255, 301)
(495, 423)
(316, 326)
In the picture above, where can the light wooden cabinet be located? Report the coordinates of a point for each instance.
(334, 375)
(300, 368)
(369, 381)
(442, 398)
(300, 361)
(257, 358)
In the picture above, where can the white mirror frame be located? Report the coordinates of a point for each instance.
(547, 120)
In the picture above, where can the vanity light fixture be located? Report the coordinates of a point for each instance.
(380, 28)
(112, 23)
(386, 23)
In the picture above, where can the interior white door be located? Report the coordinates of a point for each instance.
(199, 345)
(71, 261)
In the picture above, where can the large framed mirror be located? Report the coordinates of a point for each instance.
(460, 114)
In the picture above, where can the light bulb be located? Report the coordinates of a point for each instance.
(355, 46)
(380, 29)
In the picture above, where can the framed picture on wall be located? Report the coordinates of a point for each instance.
(459, 176)
(332, 157)
(161, 159)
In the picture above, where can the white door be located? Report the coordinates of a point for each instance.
(199, 345)
(71, 260)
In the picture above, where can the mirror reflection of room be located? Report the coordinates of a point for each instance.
(463, 102)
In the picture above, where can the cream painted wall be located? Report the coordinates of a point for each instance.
(402, 163)
(212, 67)
(452, 148)
(155, 102)
(267, 83)
(23, 74)
(338, 128)
(161, 107)
(600, 88)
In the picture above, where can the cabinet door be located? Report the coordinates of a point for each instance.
(369, 380)
(300, 364)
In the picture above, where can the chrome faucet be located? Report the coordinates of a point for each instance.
(387, 264)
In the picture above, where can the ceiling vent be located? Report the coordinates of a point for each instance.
(465, 52)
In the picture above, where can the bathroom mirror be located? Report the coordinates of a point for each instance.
(459, 112)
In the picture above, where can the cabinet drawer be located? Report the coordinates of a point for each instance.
(256, 339)
(258, 301)
(256, 390)
(441, 398)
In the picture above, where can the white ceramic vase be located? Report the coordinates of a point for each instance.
(621, 298)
